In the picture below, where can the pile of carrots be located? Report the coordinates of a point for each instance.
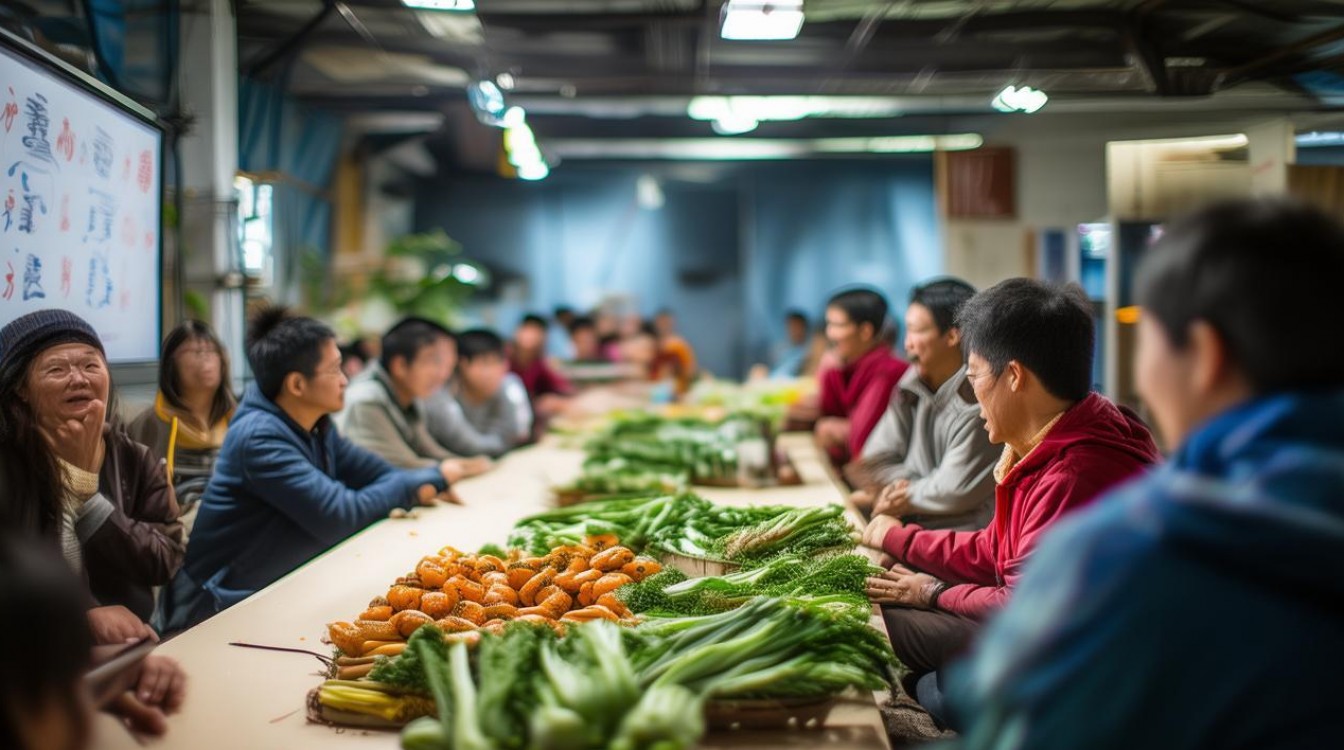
(461, 592)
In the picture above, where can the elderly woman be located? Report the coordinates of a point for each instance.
(75, 479)
(185, 427)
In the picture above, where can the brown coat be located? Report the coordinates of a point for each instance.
(140, 544)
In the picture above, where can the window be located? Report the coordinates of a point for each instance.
(255, 227)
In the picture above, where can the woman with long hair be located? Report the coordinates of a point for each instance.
(75, 478)
(186, 425)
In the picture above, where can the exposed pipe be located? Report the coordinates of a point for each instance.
(1234, 75)
(293, 43)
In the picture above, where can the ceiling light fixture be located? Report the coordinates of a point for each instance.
(487, 101)
(1020, 99)
(732, 115)
(761, 20)
(461, 6)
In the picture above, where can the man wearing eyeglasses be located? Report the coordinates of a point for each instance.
(287, 486)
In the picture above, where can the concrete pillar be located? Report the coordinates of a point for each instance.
(1272, 148)
(208, 81)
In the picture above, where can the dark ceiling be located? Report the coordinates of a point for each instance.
(595, 69)
(603, 48)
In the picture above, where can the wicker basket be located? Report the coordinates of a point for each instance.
(780, 713)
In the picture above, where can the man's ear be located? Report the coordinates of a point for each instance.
(953, 336)
(295, 384)
(397, 367)
(1016, 375)
(1210, 363)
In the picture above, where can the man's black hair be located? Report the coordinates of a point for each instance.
(478, 342)
(408, 338)
(862, 305)
(278, 344)
(1047, 328)
(533, 319)
(796, 314)
(1265, 274)
(580, 323)
(943, 298)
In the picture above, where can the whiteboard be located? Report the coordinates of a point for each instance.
(80, 206)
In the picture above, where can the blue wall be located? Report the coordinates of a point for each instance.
(728, 255)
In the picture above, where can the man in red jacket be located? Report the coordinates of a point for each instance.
(855, 395)
(1030, 365)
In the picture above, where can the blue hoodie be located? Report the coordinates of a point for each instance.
(280, 496)
(1199, 607)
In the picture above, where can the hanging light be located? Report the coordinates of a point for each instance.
(1020, 99)
(761, 20)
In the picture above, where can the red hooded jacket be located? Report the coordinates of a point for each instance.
(1093, 447)
(860, 391)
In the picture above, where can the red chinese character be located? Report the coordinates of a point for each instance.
(9, 281)
(65, 213)
(67, 270)
(128, 231)
(149, 240)
(126, 169)
(125, 299)
(65, 142)
(11, 111)
(145, 175)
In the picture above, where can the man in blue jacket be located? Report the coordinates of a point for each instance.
(1201, 606)
(287, 486)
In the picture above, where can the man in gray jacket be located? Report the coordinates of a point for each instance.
(484, 409)
(929, 458)
(383, 410)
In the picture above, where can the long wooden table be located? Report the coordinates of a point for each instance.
(248, 698)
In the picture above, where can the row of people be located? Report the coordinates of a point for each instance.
(1115, 605)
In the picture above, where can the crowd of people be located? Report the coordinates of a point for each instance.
(1050, 580)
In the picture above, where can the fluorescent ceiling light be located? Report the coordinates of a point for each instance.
(534, 171)
(756, 149)
(731, 115)
(1318, 139)
(758, 20)
(1212, 142)
(1020, 99)
(457, 5)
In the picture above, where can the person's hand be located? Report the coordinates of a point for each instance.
(162, 684)
(894, 500)
(139, 718)
(904, 587)
(832, 432)
(875, 533)
(887, 560)
(477, 465)
(862, 499)
(450, 497)
(116, 624)
(78, 440)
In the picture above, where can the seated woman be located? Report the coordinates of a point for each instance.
(185, 427)
(76, 479)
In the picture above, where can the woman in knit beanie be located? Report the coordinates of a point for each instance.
(73, 479)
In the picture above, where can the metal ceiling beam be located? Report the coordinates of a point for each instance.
(1242, 72)
(293, 44)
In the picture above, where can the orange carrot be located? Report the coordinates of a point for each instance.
(612, 559)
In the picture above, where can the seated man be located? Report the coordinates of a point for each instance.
(287, 486)
(1029, 348)
(484, 409)
(583, 340)
(547, 390)
(929, 456)
(382, 410)
(1201, 606)
(789, 357)
(854, 396)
